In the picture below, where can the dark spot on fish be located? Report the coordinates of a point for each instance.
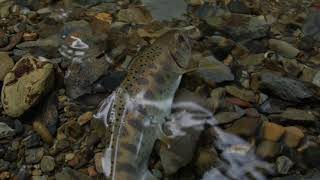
(126, 167)
(149, 94)
(136, 123)
(130, 147)
(142, 81)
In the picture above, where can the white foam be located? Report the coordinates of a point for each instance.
(78, 43)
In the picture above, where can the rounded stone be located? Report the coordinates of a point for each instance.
(272, 131)
(47, 164)
(293, 136)
(25, 84)
(6, 64)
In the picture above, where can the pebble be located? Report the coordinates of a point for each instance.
(213, 71)
(69, 156)
(283, 48)
(4, 165)
(272, 131)
(239, 102)
(245, 126)
(45, 177)
(136, 15)
(43, 132)
(85, 118)
(70, 174)
(47, 164)
(206, 158)
(293, 136)
(6, 64)
(92, 171)
(74, 161)
(283, 164)
(166, 9)
(285, 88)
(30, 36)
(268, 149)
(33, 156)
(5, 175)
(316, 79)
(31, 141)
(311, 156)
(298, 115)
(6, 131)
(227, 117)
(36, 172)
(243, 94)
(98, 162)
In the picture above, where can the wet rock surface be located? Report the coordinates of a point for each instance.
(254, 73)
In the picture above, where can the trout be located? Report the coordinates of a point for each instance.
(135, 112)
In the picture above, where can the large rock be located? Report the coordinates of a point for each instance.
(6, 64)
(213, 71)
(28, 81)
(285, 88)
(239, 26)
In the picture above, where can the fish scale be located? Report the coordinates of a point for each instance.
(141, 103)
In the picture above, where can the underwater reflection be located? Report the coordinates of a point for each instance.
(238, 160)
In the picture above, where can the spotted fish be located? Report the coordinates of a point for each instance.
(139, 106)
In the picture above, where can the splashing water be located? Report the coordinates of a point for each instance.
(74, 51)
(238, 158)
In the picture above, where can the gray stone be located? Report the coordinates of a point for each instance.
(283, 48)
(166, 9)
(92, 2)
(47, 164)
(285, 88)
(6, 131)
(298, 115)
(136, 15)
(33, 156)
(5, 8)
(180, 152)
(268, 149)
(70, 174)
(239, 26)
(4, 165)
(45, 177)
(283, 164)
(31, 141)
(6, 64)
(316, 79)
(214, 71)
(227, 117)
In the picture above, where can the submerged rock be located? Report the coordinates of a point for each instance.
(166, 9)
(283, 48)
(283, 164)
(70, 174)
(214, 71)
(285, 88)
(5, 131)
(6, 64)
(239, 26)
(28, 81)
(136, 15)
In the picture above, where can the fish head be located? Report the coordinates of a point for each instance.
(179, 47)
